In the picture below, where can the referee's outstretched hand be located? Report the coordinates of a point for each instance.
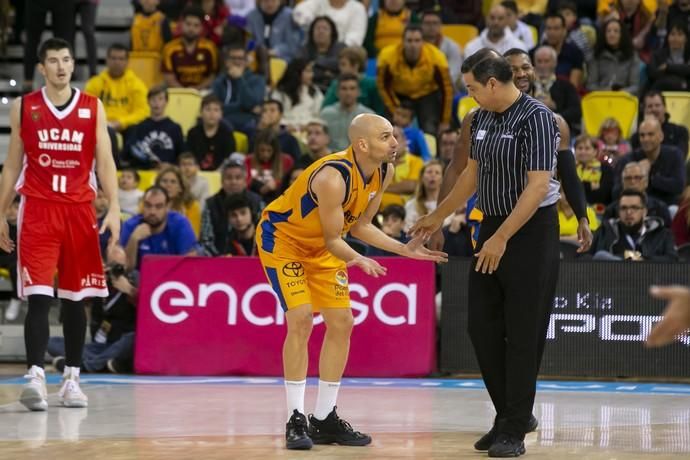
(6, 244)
(415, 249)
(676, 316)
(490, 255)
(426, 226)
(368, 266)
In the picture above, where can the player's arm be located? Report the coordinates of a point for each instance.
(330, 189)
(107, 175)
(374, 236)
(10, 172)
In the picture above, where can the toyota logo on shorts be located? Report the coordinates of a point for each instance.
(293, 269)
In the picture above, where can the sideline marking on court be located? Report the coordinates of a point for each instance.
(464, 384)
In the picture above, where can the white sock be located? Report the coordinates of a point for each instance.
(326, 398)
(295, 396)
(74, 371)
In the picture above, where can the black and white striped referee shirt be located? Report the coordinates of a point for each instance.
(506, 146)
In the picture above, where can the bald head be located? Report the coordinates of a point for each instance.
(372, 135)
(650, 122)
(366, 126)
(651, 136)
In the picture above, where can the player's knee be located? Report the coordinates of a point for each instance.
(300, 325)
(341, 325)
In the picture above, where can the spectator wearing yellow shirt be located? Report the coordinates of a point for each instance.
(568, 221)
(418, 71)
(386, 26)
(407, 172)
(150, 29)
(122, 93)
(181, 200)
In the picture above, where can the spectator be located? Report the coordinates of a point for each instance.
(211, 140)
(180, 198)
(596, 176)
(386, 25)
(112, 322)
(403, 116)
(417, 71)
(669, 68)
(426, 194)
(318, 140)
(615, 65)
(86, 9)
(497, 34)
(636, 18)
(301, 99)
(322, 48)
(458, 235)
(215, 16)
(570, 58)
(407, 172)
(157, 230)
(242, 228)
(214, 221)
(679, 11)
(100, 207)
(568, 222)
(393, 221)
(122, 93)
(666, 163)
(654, 104)
(455, 12)
(446, 148)
(557, 94)
(681, 221)
(62, 23)
(519, 29)
(271, 119)
(240, 90)
(240, 8)
(432, 33)
(157, 139)
(635, 176)
(190, 61)
(634, 235)
(198, 184)
(338, 116)
(576, 34)
(350, 17)
(272, 27)
(150, 29)
(267, 165)
(611, 144)
(128, 193)
(8, 261)
(354, 60)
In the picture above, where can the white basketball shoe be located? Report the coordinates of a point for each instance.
(35, 394)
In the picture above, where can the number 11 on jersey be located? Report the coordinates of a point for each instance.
(59, 183)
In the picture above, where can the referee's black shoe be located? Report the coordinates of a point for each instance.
(296, 432)
(488, 439)
(507, 445)
(334, 430)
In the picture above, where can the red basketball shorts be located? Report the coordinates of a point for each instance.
(63, 238)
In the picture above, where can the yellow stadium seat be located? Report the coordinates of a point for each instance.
(460, 33)
(278, 67)
(147, 178)
(147, 66)
(183, 107)
(678, 107)
(4, 273)
(213, 178)
(241, 142)
(466, 104)
(535, 33)
(597, 106)
(431, 143)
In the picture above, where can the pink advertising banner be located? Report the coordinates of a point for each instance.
(219, 316)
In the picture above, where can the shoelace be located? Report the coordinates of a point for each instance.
(300, 425)
(348, 428)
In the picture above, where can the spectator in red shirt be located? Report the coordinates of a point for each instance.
(267, 166)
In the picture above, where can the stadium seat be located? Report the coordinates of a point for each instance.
(678, 107)
(371, 67)
(431, 143)
(535, 33)
(147, 66)
(147, 177)
(278, 67)
(466, 104)
(213, 178)
(241, 142)
(597, 106)
(460, 33)
(183, 107)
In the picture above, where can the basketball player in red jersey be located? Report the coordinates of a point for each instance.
(58, 142)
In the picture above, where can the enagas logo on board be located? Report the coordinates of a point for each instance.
(173, 302)
(44, 160)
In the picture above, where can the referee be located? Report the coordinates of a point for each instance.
(514, 139)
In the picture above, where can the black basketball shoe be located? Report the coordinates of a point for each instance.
(488, 439)
(334, 430)
(296, 432)
(507, 445)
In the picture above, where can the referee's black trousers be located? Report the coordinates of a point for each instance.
(508, 315)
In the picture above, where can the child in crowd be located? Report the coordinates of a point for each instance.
(267, 166)
(611, 144)
(198, 185)
(128, 193)
(403, 116)
(393, 220)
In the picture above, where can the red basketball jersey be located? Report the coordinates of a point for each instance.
(59, 148)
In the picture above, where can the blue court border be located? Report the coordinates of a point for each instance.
(458, 384)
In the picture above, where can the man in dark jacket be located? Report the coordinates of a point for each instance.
(665, 164)
(654, 104)
(633, 236)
